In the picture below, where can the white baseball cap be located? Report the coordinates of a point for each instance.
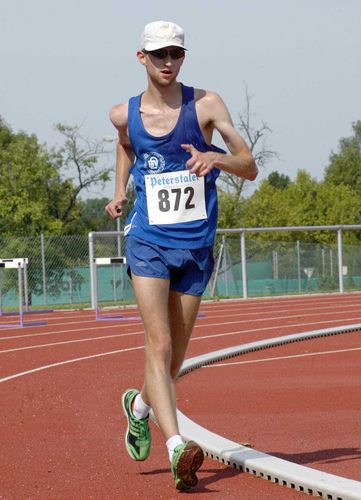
(161, 34)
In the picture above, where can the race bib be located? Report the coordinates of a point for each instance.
(175, 197)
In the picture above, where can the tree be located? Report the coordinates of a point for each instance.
(265, 208)
(78, 156)
(278, 181)
(345, 166)
(27, 177)
(337, 204)
(92, 216)
(256, 139)
(304, 202)
(37, 197)
(37, 194)
(229, 208)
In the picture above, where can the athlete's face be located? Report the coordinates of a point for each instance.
(162, 65)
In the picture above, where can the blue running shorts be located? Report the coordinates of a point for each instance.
(187, 270)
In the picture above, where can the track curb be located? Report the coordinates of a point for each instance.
(257, 463)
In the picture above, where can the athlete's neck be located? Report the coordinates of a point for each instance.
(163, 97)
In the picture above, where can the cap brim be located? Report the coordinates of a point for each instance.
(162, 45)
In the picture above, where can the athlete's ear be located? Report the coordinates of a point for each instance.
(141, 57)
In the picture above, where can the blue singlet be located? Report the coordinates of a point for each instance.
(173, 208)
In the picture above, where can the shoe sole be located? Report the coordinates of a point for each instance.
(189, 462)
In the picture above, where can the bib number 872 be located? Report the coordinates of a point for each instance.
(165, 202)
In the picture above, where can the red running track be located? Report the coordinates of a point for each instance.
(62, 429)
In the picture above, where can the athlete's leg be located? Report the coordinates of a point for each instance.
(183, 310)
(186, 458)
(152, 296)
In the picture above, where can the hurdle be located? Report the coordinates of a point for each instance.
(106, 261)
(19, 265)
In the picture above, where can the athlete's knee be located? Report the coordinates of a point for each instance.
(159, 349)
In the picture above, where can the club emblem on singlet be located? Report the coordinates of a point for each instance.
(154, 162)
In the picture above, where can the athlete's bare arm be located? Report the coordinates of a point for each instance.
(213, 115)
(124, 160)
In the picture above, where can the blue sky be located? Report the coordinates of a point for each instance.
(70, 61)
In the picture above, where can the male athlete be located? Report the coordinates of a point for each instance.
(165, 142)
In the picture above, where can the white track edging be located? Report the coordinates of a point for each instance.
(276, 470)
(298, 477)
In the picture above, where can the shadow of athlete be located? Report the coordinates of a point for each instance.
(165, 142)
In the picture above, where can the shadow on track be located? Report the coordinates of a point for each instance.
(333, 455)
(213, 476)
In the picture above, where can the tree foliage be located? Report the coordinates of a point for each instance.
(278, 181)
(304, 202)
(78, 157)
(345, 166)
(40, 188)
(280, 202)
(92, 215)
(229, 210)
(27, 180)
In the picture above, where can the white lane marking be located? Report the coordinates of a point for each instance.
(68, 361)
(196, 326)
(256, 306)
(278, 358)
(52, 344)
(306, 306)
(249, 311)
(252, 303)
(204, 308)
(277, 327)
(61, 331)
(61, 363)
(203, 337)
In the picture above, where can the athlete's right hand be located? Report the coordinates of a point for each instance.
(116, 207)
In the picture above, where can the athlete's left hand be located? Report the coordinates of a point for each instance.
(200, 163)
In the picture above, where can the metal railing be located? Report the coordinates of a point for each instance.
(228, 262)
(249, 262)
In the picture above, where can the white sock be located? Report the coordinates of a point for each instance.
(172, 443)
(140, 409)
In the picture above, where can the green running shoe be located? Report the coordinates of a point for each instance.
(137, 436)
(186, 460)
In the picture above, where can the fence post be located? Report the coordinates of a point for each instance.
(216, 272)
(20, 285)
(340, 260)
(298, 264)
(42, 245)
(119, 238)
(244, 264)
(91, 269)
(225, 263)
(275, 264)
(26, 291)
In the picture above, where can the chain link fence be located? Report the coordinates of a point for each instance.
(59, 273)
(277, 268)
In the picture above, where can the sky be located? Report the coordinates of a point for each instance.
(70, 61)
